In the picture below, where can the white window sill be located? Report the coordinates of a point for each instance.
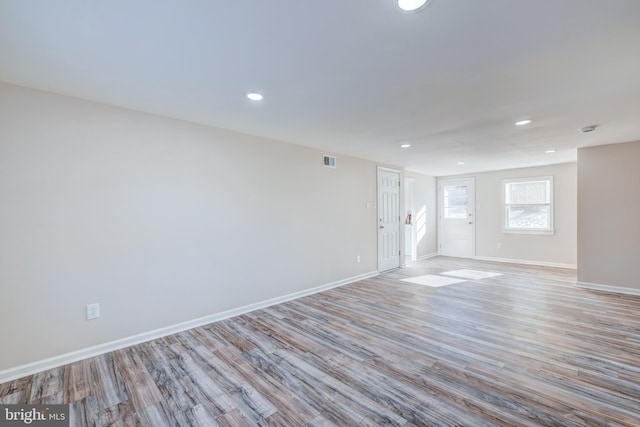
(534, 232)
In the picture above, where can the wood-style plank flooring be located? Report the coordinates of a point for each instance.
(526, 348)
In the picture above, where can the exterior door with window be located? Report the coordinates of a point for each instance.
(456, 218)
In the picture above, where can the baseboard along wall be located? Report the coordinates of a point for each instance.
(527, 262)
(427, 256)
(608, 288)
(63, 359)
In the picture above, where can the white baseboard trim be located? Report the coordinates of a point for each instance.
(420, 258)
(608, 288)
(427, 256)
(527, 262)
(74, 356)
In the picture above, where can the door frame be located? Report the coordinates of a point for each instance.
(400, 202)
(411, 183)
(441, 210)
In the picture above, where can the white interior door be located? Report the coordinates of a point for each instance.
(456, 218)
(388, 219)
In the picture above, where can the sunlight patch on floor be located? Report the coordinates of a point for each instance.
(433, 281)
(471, 274)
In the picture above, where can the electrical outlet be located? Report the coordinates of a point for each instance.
(358, 258)
(93, 311)
(499, 245)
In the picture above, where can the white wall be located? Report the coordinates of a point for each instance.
(609, 209)
(423, 207)
(559, 249)
(160, 221)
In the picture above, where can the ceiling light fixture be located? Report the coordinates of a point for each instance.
(405, 146)
(411, 5)
(460, 163)
(588, 129)
(523, 122)
(254, 96)
(553, 150)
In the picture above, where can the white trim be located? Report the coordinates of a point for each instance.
(427, 256)
(383, 168)
(74, 356)
(529, 231)
(420, 258)
(527, 262)
(608, 288)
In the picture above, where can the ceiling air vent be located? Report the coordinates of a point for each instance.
(328, 161)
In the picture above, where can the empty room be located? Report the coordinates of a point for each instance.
(330, 213)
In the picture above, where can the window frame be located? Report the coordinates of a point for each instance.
(505, 207)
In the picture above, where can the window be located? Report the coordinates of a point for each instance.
(456, 200)
(528, 205)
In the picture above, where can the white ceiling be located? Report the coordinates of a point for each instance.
(357, 77)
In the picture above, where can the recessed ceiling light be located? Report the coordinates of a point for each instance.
(460, 163)
(254, 96)
(405, 146)
(588, 129)
(553, 150)
(411, 5)
(523, 122)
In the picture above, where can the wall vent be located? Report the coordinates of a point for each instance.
(328, 161)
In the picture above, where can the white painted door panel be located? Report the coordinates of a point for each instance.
(456, 217)
(388, 220)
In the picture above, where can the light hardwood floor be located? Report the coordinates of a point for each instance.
(526, 348)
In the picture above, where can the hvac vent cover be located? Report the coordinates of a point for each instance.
(328, 161)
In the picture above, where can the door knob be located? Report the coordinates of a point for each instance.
(470, 222)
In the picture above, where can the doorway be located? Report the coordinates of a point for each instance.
(410, 229)
(388, 219)
(456, 218)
